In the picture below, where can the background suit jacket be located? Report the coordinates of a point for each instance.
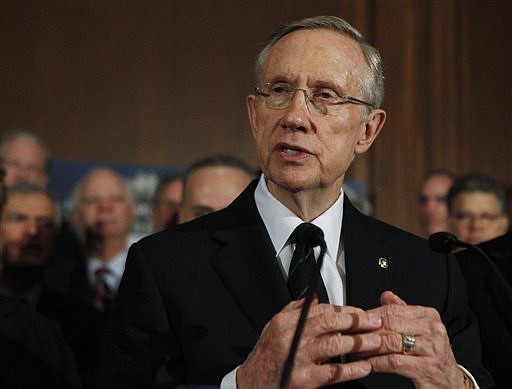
(491, 305)
(197, 297)
(33, 353)
(66, 296)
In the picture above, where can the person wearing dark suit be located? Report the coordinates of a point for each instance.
(67, 297)
(491, 304)
(212, 299)
(33, 351)
(81, 281)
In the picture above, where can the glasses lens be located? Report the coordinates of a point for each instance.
(279, 95)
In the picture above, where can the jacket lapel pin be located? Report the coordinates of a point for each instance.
(383, 262)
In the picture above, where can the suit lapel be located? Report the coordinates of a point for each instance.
(247, 265)
(369, 271)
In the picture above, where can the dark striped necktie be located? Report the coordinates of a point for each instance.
(302, 266)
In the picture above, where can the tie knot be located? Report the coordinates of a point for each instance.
(307, 234)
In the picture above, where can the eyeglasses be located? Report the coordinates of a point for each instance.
(485, 218)
(325, 101)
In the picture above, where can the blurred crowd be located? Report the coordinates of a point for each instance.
(58, 277)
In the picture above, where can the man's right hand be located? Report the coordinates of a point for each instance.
(330, 331)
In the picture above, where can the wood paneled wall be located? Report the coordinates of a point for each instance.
(164, 83)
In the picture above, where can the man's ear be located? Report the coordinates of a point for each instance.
(250, 103)
(371, 129)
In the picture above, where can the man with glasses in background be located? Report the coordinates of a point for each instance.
(478, 208)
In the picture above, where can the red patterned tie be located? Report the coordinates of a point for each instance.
(102, 292)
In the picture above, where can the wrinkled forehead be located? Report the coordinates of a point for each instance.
(315, 55)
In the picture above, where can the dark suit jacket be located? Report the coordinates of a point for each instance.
(66, 297)
(491, 304)
(198, 296)
(33, 353)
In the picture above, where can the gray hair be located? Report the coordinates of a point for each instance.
(372, 87)
(12, 135)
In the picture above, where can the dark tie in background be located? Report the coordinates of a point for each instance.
(102, 292)
(302, 265)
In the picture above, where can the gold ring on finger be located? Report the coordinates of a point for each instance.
(408, 341)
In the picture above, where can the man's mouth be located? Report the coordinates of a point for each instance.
(292, 150)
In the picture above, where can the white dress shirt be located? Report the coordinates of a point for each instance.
(115, 265)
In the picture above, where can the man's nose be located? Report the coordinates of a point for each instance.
(300, 100)
(32, 227)
(476, 222)
(297, 114)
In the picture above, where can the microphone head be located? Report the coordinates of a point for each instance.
(443, 242)
(310, 234)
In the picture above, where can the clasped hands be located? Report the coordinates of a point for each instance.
(373, 337)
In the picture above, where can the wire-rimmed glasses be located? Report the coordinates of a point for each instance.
(325, 101)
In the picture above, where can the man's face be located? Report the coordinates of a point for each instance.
(297, 149)
(28, 229)
(105, 209)
(24, 161)
(433, 209)
(168, 205)
(210, 189)
(476, 217)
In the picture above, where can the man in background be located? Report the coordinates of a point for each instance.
(478, 208)
(432, 205)
(28, 231)
(80, 285)
(166, 202)
(25, 158)
(212, 184)
(34, 354)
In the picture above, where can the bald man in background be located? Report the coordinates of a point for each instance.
(25, 158)
(80, 286)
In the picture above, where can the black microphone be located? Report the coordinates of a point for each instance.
(444, 242)
(313, 236)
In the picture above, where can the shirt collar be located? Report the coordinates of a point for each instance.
(115, 265)
(280, 221)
